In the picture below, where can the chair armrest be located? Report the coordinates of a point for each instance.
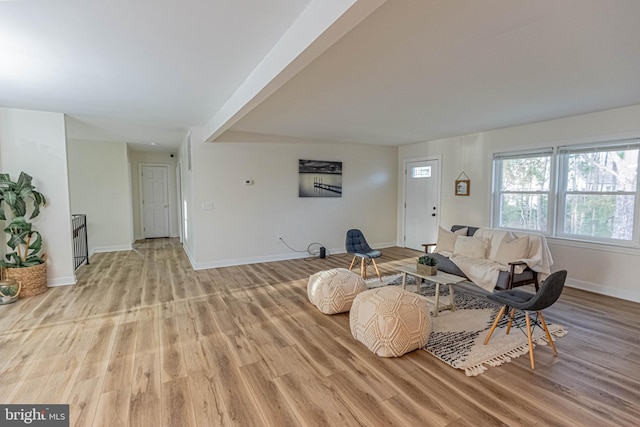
(427, 246)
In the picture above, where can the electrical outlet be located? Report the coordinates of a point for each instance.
(279, 239)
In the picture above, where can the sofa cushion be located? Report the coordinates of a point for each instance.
(447, 239)
(471, 247)
(513, 251)
(446, 265)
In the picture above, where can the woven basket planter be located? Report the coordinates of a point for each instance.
(33, 280)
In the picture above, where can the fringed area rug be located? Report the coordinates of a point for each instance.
(457, 337)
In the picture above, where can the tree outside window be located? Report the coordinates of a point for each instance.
(523, 195)
(600, 193)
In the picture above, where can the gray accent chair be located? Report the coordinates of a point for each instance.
(357, 245)
(548, 294)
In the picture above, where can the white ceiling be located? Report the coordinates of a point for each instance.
(413, 70)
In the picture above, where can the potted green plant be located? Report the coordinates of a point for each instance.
(427, 265)
(25, 263)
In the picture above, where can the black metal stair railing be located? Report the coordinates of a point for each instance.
(80, 242)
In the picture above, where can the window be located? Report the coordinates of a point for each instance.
(594, 195)
(522, 183)
(421, 172)
(597, 198)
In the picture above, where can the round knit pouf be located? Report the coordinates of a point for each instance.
(390, 321)
(333, 291)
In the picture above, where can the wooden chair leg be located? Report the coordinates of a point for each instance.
(353, 261)
(495, 324)
(511, 314)
(546, 330)
(376, 267)
(363, 269)
(530, 339)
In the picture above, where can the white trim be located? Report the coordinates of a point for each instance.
(403, 203)
(268, 258)
(189, 256)
(179, 191)
(604, 290)
(119, 248)
(596, 246)
(61, 281)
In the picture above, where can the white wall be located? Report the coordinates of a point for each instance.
(604, 269)
(137, 158)
(99, 187)
(246, 220)
(34, 142)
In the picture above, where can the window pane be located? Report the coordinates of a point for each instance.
(526, 174)
(603, 171)
(524, 211)
(607, 216)
(421, 172)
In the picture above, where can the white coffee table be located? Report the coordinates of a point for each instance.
(441, 278)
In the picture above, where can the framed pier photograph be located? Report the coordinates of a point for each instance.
(319, 178)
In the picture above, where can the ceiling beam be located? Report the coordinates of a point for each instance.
(321, 24)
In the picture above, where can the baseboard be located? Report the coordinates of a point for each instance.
(624, 294)
(118, 248)
(61, 281)
(267, 258)
(242, 261)
(189, 256)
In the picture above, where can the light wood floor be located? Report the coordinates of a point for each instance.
(143, 340)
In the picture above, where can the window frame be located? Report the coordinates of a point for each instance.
(557, 194)
(497, 185)
(563, 153)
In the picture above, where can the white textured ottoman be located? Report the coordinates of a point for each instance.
(390, 321)
(333, 291)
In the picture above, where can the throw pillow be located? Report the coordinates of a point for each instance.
(447, 239)
(513, 251)
(471, 247)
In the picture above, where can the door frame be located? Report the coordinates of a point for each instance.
(179, 200)
(141, 193)
(405, 163)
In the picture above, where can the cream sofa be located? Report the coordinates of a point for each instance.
(492, 258)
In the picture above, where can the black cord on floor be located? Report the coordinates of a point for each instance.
(309, 249)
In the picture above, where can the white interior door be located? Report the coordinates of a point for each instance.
(422, 195)
(155, 201)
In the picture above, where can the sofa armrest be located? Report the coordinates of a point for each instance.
(514, 263)
(512, 274)
(427, 246)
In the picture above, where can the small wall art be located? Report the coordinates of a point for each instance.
(463, 185)
(319, 178)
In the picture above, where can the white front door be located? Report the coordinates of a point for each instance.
(155, 201)
(422, 194)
